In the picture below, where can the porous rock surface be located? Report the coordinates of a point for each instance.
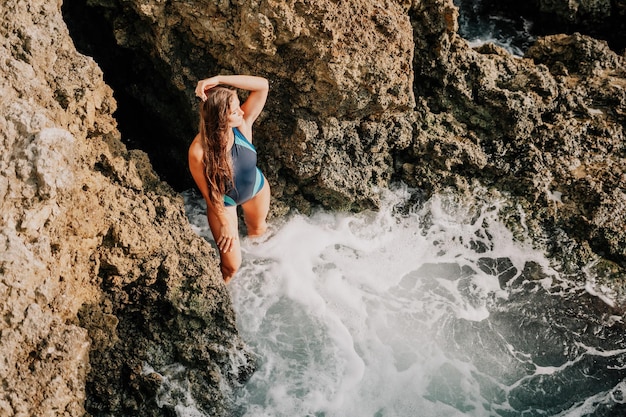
(364, 93)
(340, 75)
(548, 129)
(102, 282)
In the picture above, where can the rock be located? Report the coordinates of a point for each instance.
(390, 91)
(328, 63)
(536, 128)
(100, 273)
(96, 255)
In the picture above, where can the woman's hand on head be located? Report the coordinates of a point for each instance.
(205, 85)
(227, 237)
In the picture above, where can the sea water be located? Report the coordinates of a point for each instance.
(422, 308)
(479, 26)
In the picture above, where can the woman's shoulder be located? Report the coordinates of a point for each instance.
(196, 150)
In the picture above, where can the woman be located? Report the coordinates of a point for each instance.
(222, 161)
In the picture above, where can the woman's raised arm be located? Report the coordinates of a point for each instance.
(258, 87)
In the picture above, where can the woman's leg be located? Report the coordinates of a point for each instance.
(229, 261)
(255, 211)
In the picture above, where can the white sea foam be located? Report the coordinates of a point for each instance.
(380, 313)
(588, 406)
(344, 309)
(174, 390)
(507, 46)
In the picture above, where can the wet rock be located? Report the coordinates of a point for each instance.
(110, 301)
(332, 66)
(100, 273)
(585, 12)
(602, 19)
(366, 94)
(547, 129)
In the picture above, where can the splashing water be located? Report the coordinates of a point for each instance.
(426, 311)
(478, 27)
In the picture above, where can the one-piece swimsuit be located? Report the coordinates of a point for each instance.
(247, 176)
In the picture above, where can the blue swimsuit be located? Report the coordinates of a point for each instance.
(248, 178)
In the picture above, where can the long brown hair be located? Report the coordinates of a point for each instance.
(218, 167)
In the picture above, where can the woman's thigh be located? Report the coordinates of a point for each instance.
(256, 209)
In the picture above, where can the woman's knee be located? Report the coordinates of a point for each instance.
(229, 269)
(230, 263)
(257, 229)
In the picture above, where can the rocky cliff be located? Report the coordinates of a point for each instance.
(366, 93)
(104, 288)
(548, 129)
(106, 291)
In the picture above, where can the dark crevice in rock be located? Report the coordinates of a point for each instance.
(152, 114)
